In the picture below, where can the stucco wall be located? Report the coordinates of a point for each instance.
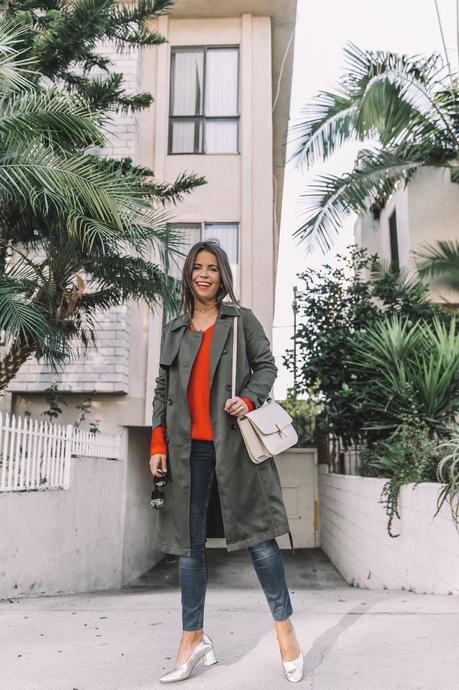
(353, 534)
(139, 552)
(96, 535)
(427, 210)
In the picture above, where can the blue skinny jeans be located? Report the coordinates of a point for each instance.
(266, 556)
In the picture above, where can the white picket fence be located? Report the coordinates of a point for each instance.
(37, 454)
(95, 445)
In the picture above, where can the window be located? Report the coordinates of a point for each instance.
(226, 233)
(393, 239)
(204, 100)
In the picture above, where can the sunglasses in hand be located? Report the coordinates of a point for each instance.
(158, 498)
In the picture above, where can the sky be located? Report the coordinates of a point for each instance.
(323, 28)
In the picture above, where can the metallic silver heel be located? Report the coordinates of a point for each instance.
(203, 650)
(210, 658)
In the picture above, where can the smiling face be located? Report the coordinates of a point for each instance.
(205, 277)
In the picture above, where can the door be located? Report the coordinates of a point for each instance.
(297, 469)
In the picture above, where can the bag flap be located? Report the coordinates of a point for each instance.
(269, 417)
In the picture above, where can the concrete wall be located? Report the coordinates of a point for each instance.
(353, 534)
(138, 548)
(96, 535)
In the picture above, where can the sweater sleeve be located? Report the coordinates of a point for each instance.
(158, 443)
(250, 404)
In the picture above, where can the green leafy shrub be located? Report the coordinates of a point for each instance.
(414, 368)
(336, 306)
(414, 371)
(303, 414)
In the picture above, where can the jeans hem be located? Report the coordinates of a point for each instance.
(283, 617)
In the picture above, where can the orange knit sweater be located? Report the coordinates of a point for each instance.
(198, 395)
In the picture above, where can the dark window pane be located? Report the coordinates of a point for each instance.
(393, 239)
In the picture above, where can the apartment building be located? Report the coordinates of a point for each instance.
(221, 86)
(424, 211)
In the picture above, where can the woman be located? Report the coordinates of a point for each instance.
(194, 436)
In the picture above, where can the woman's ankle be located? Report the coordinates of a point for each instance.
(283, 626)
(192, 635)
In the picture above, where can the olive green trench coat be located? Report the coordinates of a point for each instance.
(250, 494)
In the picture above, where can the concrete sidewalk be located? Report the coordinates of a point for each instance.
(353, 639)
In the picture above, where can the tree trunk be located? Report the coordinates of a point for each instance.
(13, 361)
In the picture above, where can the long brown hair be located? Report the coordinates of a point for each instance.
(226, 275)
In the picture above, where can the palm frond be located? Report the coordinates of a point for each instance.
(15, 69)
(52, 115)
(128, 24)
(330, 199)
(321, 127)
(382, 94)
(20, 317)
(136, 278)
(44, 179)
(440, 262)
(362, 65)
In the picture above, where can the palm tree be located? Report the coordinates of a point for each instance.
(440, 262)
(68, 219)
(407, 107)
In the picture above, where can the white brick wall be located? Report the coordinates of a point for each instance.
(123, 130)
(353, 534)
(105, 369)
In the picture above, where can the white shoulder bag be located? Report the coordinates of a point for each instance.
(266, 430)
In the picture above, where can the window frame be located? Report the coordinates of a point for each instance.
(203, 118)
(202, 226)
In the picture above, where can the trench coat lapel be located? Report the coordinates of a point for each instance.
(219, 336)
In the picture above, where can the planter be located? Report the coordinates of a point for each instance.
(353, 534)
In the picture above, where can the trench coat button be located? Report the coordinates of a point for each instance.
(233, 426)
(225, 350)
(169, 401)
(228, 386)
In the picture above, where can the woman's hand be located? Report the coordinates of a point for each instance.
(158, 462)
(236, 406)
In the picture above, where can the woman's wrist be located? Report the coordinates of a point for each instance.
(158, 443)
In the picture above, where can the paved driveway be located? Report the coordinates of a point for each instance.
(353, 639)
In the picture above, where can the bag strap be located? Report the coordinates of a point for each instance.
(233, 366)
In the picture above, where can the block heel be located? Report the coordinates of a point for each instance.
(210, 658)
